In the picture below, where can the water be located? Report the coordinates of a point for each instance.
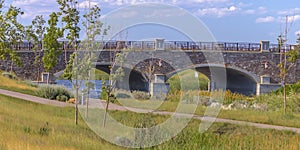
(94, 93)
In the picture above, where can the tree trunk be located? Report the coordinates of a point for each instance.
(87, 104)
(77, 89)
(284, 98)
(106, 109)
(76, 104)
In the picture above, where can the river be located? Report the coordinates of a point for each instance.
(94, 93)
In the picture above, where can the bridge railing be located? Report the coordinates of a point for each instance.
(168, 45)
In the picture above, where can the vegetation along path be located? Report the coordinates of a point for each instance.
(117, 107)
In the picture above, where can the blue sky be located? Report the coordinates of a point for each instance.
(227, 20)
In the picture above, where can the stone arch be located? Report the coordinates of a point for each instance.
(238, 80)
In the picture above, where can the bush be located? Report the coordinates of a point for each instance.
(53, 92)
(123, 94)
(29, 83)
(140, 95)
(290, 89)
(9, 75)
(230, 97)
(62, 98)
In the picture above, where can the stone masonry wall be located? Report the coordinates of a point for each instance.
(253, 62)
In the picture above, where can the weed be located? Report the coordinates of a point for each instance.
(44, 131)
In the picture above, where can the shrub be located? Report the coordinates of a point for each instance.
(53, 92)
(9, 75)
(140, 95)
(123, 94)
(230, 97)
(62, 98)
(45, 130)
(29, 83)
(104, 93)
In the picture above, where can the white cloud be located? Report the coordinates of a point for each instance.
(265, 19)
(218, 12)
(290, 19)
(289, 12)
(259, 10)
(206, 1)
(174, 2)
(297, 33)
(85, 4)
(25, 2)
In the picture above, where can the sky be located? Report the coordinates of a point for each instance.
(227, 20)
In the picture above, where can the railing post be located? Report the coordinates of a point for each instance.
(264, 46)
(249, 47)
(159, 44)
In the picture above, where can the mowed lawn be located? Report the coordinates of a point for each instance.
(27, 125)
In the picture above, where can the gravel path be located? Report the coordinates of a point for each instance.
(102, 104)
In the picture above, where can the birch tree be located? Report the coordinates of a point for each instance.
(35, 35)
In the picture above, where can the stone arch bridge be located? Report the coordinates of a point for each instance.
(249, 68)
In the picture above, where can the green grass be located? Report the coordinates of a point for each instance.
(273, 117)
(186, 80)
(23, 126)
(27, 125)
(16, 85)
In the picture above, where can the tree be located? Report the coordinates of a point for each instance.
(11, 33)
(51, 51)
(286, 64)
(35, 35)
(288, 58)
(117, 59)
(70, 16)
(93, 27)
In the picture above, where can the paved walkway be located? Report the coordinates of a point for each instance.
(102, 104)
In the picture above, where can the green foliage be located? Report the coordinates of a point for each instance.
(11, 32)
(35, 34)
(230, 97)
(29, 83)
(9, 75)
(70, 16)
(186, 80)
(293, 55)
(92, 24)
(290, 88)
(103, 94)
(51, 51)
(68, 70)
(53, 92)
(44, 131)
(122, 94)
(140, 95)
(274, 99)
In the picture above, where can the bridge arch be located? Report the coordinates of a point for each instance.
(237, 79)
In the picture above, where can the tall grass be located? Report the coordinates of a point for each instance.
(27, 125)
(16, 85)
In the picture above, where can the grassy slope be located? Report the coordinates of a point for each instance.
(21, 123)
(16, 85)
(186, 80)
(268, 117)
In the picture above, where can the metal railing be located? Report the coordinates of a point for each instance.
(168, 45)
